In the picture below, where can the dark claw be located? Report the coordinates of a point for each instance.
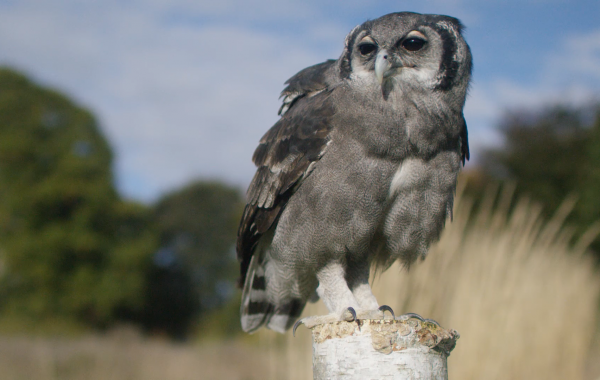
(408, 316)
(432, 321)
(353, 312)
(385, 308)
(298, 323)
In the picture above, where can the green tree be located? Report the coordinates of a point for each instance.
(589, 207)
(70, 246)
(552, 153)
(195, 268)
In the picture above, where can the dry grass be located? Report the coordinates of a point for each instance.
(523, 299)
(126, 356)
(524, 302)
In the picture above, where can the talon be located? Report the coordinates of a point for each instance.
(385, 308)
(432, 321)
(407, 316)
(352, 312)
(298, 323)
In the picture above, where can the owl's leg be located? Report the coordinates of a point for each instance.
(357, 276)
(333, 289)
(337, 296)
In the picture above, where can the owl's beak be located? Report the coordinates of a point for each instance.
(384, 67)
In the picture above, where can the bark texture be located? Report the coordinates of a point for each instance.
(381, 349)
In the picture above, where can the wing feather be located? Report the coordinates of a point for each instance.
(307, 82)
(284, 157)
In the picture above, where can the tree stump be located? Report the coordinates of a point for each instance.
(381, 349)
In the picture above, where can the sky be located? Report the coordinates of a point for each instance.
(183, 89)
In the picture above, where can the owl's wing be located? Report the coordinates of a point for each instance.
(284, 157)
(307, 82)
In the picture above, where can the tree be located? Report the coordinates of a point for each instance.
(589, 207)
(552, 153)
(70, 246)
(195, 267)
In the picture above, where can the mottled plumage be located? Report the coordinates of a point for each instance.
(360, 170)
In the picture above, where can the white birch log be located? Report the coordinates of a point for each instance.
(381, 349)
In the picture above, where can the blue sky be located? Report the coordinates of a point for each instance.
(184, 89)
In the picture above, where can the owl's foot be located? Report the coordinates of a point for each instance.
(348, 315)
(375, 314)
(407, 316)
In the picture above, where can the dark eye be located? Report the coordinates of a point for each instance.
(413, 43)
(366, 49)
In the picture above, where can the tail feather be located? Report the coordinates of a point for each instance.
(286, 315)
(257, 311)
(255, 308)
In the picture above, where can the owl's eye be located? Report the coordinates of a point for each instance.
(413, 43)
(367, 48)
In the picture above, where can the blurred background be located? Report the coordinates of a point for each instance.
(126, 135)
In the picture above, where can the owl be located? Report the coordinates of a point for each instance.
(359, 172)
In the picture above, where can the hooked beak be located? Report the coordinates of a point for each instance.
(384, 67)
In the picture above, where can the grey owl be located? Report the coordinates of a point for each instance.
(360, 170)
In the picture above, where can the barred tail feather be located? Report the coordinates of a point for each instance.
(257, 311)
(286, 315)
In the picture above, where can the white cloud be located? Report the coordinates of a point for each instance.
(185, 88)
(177, 100)
(570, 75)
(580, 56)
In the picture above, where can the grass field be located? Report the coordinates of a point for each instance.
(127, 356)
(523, 298)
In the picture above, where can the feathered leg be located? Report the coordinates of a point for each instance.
(337, 296)
(357, 276)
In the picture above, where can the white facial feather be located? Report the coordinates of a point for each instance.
(425, 76)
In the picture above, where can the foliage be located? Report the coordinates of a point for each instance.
(523, 301)
(551, 154)
(70, 247)
(195, 267)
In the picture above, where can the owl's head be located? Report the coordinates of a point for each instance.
(409, 49)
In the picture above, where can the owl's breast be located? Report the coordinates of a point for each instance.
(420, 196)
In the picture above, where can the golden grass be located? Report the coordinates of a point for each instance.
(126, 356)
(524, 300)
